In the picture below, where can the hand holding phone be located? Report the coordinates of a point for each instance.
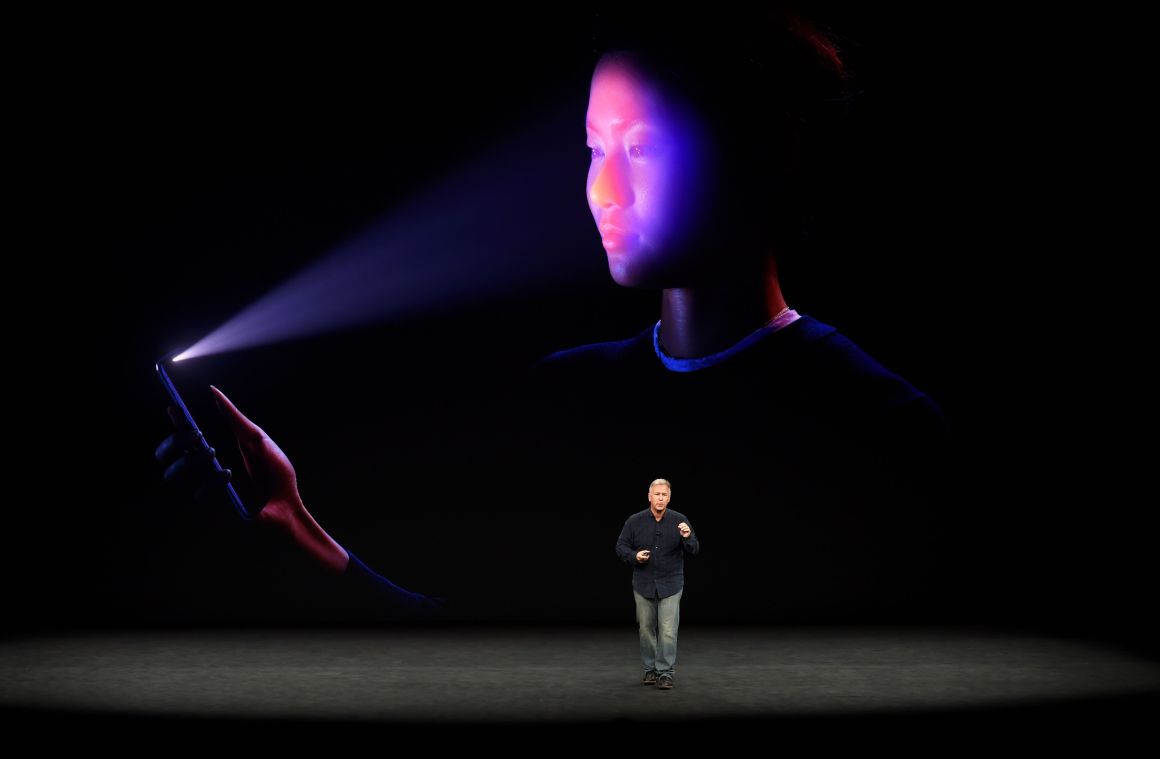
(277, 501)
(189, 452)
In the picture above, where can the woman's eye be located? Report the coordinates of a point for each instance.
(595, 152)
(642, 151)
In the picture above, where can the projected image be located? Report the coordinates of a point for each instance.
(825, 470)
(817, 473)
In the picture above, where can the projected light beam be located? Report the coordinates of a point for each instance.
(513, 221)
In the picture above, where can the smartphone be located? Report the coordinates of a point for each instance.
(164, 366)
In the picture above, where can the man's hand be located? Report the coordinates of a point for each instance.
(642, 556)
(686, 531)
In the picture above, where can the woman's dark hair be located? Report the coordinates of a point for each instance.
(770, 83)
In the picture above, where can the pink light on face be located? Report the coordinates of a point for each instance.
(645, 183)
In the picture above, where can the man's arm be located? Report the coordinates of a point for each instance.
(624, 547)
(689, 542)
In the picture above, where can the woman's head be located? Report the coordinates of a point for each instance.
(694, 134)
(651, 162)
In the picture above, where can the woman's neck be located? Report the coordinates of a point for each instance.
(708, 318)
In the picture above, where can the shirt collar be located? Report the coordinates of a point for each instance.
(675, 364)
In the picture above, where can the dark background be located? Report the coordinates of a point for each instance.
(182, 169)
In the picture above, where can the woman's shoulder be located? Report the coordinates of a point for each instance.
(836, 356)
(836, 367)
(637, 348)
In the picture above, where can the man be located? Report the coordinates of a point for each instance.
(654, 541)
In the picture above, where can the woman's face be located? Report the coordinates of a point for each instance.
(647, 183)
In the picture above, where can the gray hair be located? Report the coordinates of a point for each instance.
(666, 483)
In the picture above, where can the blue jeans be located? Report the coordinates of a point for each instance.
(658, 619)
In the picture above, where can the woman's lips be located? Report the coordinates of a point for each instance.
(616, 239)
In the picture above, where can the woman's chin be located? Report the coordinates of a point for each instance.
(644, 269)
(627, 273)
(625, 270)
(620, 271)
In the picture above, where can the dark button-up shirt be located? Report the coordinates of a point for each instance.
(663, 575)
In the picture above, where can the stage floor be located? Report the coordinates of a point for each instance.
(522, 676)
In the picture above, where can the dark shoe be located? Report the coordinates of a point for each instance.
(650, 678)
(664, 682)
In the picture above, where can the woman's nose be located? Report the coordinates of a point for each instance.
(611, 186)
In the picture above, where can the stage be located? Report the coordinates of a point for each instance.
(552, 676)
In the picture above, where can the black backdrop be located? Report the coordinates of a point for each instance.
(182, 170)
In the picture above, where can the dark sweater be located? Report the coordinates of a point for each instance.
(663, 575)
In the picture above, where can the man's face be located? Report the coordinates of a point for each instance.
(658, 498)
(647, 184)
